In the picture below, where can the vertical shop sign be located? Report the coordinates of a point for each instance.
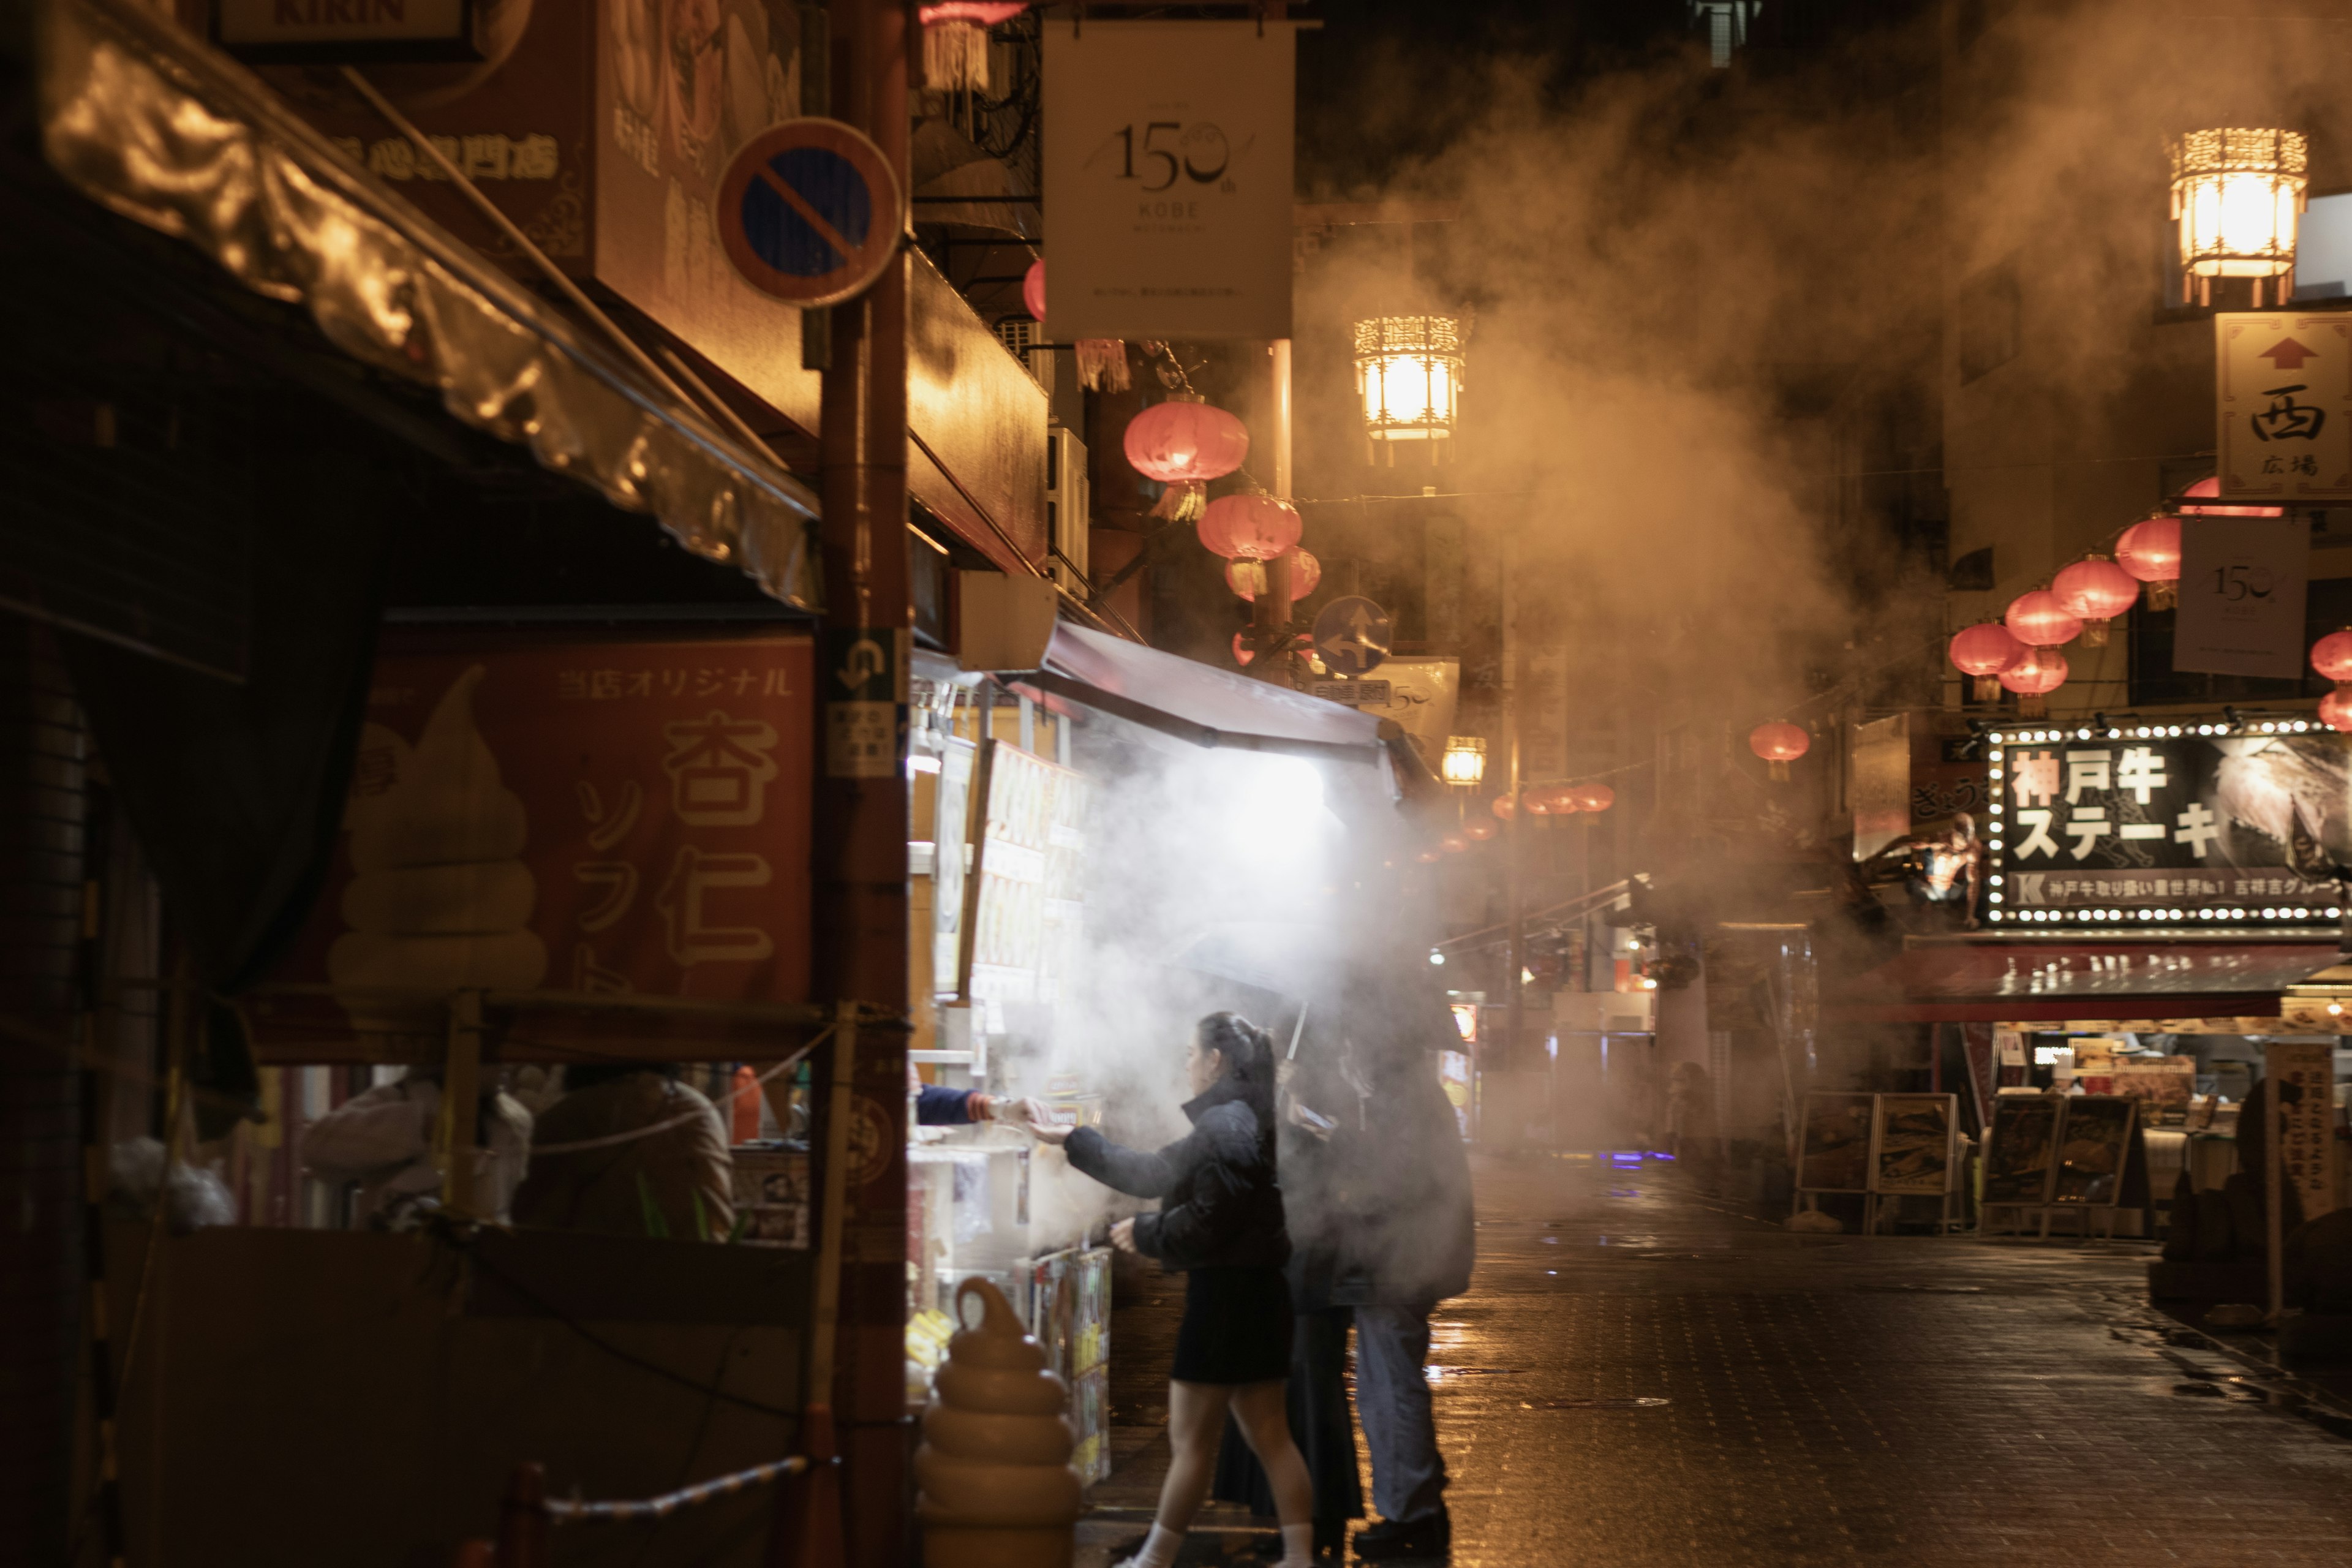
(865, 701)
(1168, 179)
(2308, 1151)
(2242, 595)
(2284, 402)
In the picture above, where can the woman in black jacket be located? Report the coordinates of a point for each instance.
(1220, 1225)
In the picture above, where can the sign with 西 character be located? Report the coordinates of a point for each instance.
(2157, 826)
(1168, 171)
(2282, 399)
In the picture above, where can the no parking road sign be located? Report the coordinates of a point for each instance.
(810, 212)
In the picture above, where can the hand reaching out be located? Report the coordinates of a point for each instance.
(1122, 1235)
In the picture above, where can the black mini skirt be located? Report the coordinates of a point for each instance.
(1236, 1329)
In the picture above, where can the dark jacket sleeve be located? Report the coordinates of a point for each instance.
(936, 1105)
(1223, 1157)
(1125, 1170)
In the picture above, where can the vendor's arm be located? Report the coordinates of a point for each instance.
(388, 1125)
(936, 1105)
(1131, 1170)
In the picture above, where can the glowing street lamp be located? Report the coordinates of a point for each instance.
(1409, 374)
(1465, 760)
(2238, 194)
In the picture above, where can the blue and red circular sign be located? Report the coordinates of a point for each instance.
(810, 212)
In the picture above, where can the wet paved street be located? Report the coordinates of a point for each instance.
(1640, 1376)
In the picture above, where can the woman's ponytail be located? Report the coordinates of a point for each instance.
(1248, 1050)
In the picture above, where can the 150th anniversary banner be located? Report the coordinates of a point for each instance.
(2187, 822)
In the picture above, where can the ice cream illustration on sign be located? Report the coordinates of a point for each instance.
(442, 901)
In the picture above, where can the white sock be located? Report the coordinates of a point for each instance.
(1297, 1545)
(1158, 1548)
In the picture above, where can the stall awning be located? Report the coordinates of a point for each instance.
(1990, 982)
(142, 117)
(1198, 703)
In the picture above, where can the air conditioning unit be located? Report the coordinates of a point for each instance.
(1069, 508)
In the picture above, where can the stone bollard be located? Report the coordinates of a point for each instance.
(995, 1487)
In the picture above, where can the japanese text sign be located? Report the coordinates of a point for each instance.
(1168, 170)
(585, 816)
(2282, 398)
(2210, 826)
(2307, 1147)
(2242, 595)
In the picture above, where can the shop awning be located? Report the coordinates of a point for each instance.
(1198, 703)
(1990, 982)
(142, 117)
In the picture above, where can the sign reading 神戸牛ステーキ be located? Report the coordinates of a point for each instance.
(1168, 168)
(2283, 401)
(2242, 824)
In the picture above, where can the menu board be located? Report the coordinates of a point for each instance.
(1021, 898)
(2093, 1143)
(2020, 1151)
(1912, 1153)
(1835, 1157)
(2163, 1086)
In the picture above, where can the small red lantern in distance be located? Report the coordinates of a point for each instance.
(2335, 710)
(1983, 651)
(1503, 807)
(2332, 656)
(1594, 796)
(1430, 857)
(2042, 671)
(1779, 744)
(2097, 591)
(1455, 843)
(2150, 551)
(1033, 290)
(1185, 442)
(1249, 528)
(1479, 829)
(1242, 652)
(2038, 620)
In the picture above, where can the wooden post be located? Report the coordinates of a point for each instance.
(522, 1518)
(461, 1077)
(807, 1529)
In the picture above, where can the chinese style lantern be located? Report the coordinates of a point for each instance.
(1505, 807)
(2335, 710)
(2150, 551)
(1594, 796)
(2238, 193)
(1246, 578)
(1479, 829)
(2332, 656)
(1779, 744)
(1102, 362)
(2042, 671)
(1249, 527)
(2203, 499)
(1242, 652)
(2097, 591)
(1455, 843)
(1184, 443)
(1553, 800)
(1430, 857)
(1409, 375)
(955, 41)
(1984, 650)
(1465, 760)
(2038, 620)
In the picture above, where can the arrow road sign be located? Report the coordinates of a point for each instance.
(810, 212)
(1352, 635)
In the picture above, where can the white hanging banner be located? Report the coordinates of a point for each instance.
(2242, 595)
(1168, 179)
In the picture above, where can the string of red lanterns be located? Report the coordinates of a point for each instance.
(1780, 743)
(2094, 590)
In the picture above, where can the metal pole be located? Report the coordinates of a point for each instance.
(2273, 1186)
(1514, 828)
(1270, 615)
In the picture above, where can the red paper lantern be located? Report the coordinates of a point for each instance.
(1505, 808)
(1984, 650)
(1242, 652)
(1250, 527)
(1553, 800)
(1185, 442)
(2150, 551)
(2332, 656)
(2097, 591)
(1430, 857)
(1455, 843)
(1779, 744)
(2042, 671)
(2335, 710)
(1248, 577)
(1479, 829)
(1033, 289)
(2038, 620)
(1594, 796)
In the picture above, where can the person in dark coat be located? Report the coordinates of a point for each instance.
(1220, 1225)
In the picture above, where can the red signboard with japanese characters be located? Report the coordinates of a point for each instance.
(581, 817)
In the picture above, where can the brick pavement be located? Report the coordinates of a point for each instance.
(1827, 1400)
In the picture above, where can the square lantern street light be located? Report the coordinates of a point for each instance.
(1464, 764)
(1409, 374)
(2238, 194)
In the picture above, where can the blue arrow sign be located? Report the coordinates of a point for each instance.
(1352, 635)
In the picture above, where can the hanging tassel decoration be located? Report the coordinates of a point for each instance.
(955, 42)
(1182, 502)
(2164, 594)
(1102, 365)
